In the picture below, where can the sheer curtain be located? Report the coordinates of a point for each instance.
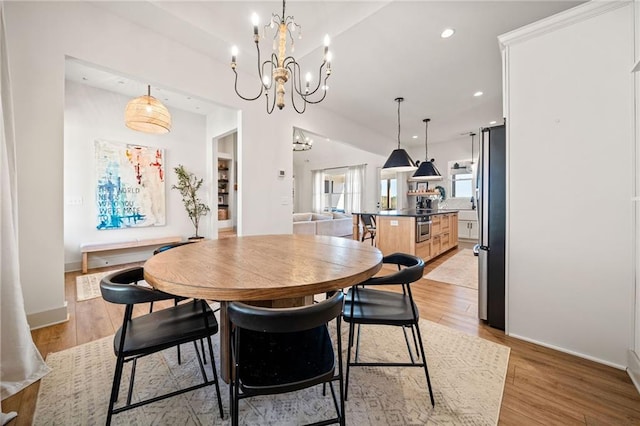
(354, 188)
(20, 361)
(317, 179)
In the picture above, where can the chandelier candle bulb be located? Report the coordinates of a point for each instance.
(234, 55)
(255, 21)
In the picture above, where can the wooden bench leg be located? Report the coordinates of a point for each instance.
(85, 257)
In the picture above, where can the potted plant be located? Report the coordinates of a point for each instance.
(188, 185)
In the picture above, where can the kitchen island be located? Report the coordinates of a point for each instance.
(425, 233)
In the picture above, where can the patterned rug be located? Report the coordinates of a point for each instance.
(88, 286)
(461, 269)
(467, 374)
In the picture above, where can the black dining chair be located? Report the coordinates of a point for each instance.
(369, 227)
(279, 350)
(370, 306)
(178, 299)
(154, 332)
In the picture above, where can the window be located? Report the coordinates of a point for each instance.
(388, 193)
(462, 180)
(339, 189)
(462, 185)
(334, 191)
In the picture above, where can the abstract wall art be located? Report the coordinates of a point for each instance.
(130, 188)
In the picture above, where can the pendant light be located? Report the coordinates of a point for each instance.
(427, 170)
(147, 114)
(399, 160)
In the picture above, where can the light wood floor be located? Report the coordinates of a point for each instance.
(542, 387)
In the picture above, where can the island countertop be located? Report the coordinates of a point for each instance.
(426, 233)
(410, 212)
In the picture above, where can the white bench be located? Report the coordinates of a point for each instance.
(86, 248)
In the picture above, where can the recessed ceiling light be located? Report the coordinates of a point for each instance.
(493, 122)
(415, 136)
(448, 32)
(477, 94)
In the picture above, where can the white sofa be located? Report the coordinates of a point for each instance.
(334, 224)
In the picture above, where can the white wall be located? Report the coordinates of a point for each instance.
(329, 154)
(91, 114)
(570, 157)
(40, 35)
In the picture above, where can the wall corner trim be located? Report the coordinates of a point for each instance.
(560, 20)
(47, 318)
(633, 369)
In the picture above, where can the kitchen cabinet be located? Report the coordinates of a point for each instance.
(397, 233)
(468, 229)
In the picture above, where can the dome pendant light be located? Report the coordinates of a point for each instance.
(399, 160)
(427, 170)
(147, 114)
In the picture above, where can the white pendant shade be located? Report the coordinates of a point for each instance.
(147, 114)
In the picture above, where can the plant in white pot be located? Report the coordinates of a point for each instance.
(188, 185)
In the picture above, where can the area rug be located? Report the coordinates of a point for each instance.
(88, 286)
(461, 269)
(467, 375)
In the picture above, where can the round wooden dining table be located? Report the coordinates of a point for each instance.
(267, 270)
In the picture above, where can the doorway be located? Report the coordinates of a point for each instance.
(226, 188)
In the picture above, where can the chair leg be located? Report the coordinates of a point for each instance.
(215, 376)
(131, 380)
(406, 339)
(350, 343)
(115, 388)
(415, 341)
(340, 373)
(357, 354)
(426, 369)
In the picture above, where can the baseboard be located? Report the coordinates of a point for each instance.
(47, 318)
(570, 352)
(633, 370)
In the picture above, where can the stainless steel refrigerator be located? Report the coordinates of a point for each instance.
(491, 190)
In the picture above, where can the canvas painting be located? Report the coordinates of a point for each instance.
(130, 188)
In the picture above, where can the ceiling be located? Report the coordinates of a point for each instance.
(381, 50)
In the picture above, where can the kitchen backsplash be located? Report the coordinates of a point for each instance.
(457, 204)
